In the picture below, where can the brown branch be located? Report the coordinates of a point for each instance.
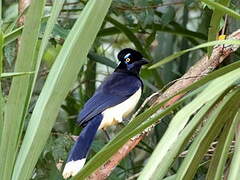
(201, 68)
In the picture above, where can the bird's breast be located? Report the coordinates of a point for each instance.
(115, 114)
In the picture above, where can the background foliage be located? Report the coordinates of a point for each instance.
(157, 29)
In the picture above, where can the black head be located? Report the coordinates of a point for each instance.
(131, 60)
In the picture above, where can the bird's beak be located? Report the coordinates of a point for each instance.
(143, 61)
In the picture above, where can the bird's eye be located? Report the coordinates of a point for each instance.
(127, 59)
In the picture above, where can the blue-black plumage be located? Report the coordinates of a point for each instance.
(115, 99)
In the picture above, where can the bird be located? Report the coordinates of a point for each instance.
(113, 101)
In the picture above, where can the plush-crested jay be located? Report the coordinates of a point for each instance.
(114, 100)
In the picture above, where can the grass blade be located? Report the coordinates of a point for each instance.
(180, 120)
(220, 156)
(101, 59)
(14, 23)
(234, 172)
(176, 29)
(19, 91)
(215, 24)
(180, 53)
(225, 112)
(222, 8)
(184, 136)
(64, 71)
(14, 74)
(56, 8)
(14, 34)
(2, 104)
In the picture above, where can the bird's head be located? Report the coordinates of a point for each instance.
(130, 60)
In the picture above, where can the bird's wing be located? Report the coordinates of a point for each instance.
(117, 88)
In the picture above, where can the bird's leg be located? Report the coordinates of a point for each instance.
(106, 133)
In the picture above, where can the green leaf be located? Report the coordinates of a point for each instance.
(150, 39)
(168, 15)
(109, 31)
(234, 172)
(64, 71)
(173, 177)
(102, 59)
(1, 21)
(13, 74)
(180, 120)
(19, 91)
(176, 29)
(173, 28)
(222, 8)
(180, 53)
(14, 34)
(215, 24)
(220, 156)
(14, 23)
(57, 6)
(2, 103)
(181, 141)
(221, 114)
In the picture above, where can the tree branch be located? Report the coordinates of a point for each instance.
(204, 66)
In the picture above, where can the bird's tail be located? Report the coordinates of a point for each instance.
(79, 151)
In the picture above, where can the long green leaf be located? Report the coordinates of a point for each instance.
(19, 91)
(217, 165)
(1, 19)
(224, 112)
(177, 30)
(172, 177)
(180, 53)
(182, 139)
(2, 104)
(64, 71)
(109, 31)
(13, 74)
(179, 121)
(234, 172)
(57, 6)
(101, 59)
(222, 8)
(14, 34)
(14, 23)
(215, 24)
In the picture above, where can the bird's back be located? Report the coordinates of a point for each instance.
(116, 88)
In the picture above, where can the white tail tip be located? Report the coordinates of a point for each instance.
(73, 167)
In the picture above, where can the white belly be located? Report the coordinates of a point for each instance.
(115, 114)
